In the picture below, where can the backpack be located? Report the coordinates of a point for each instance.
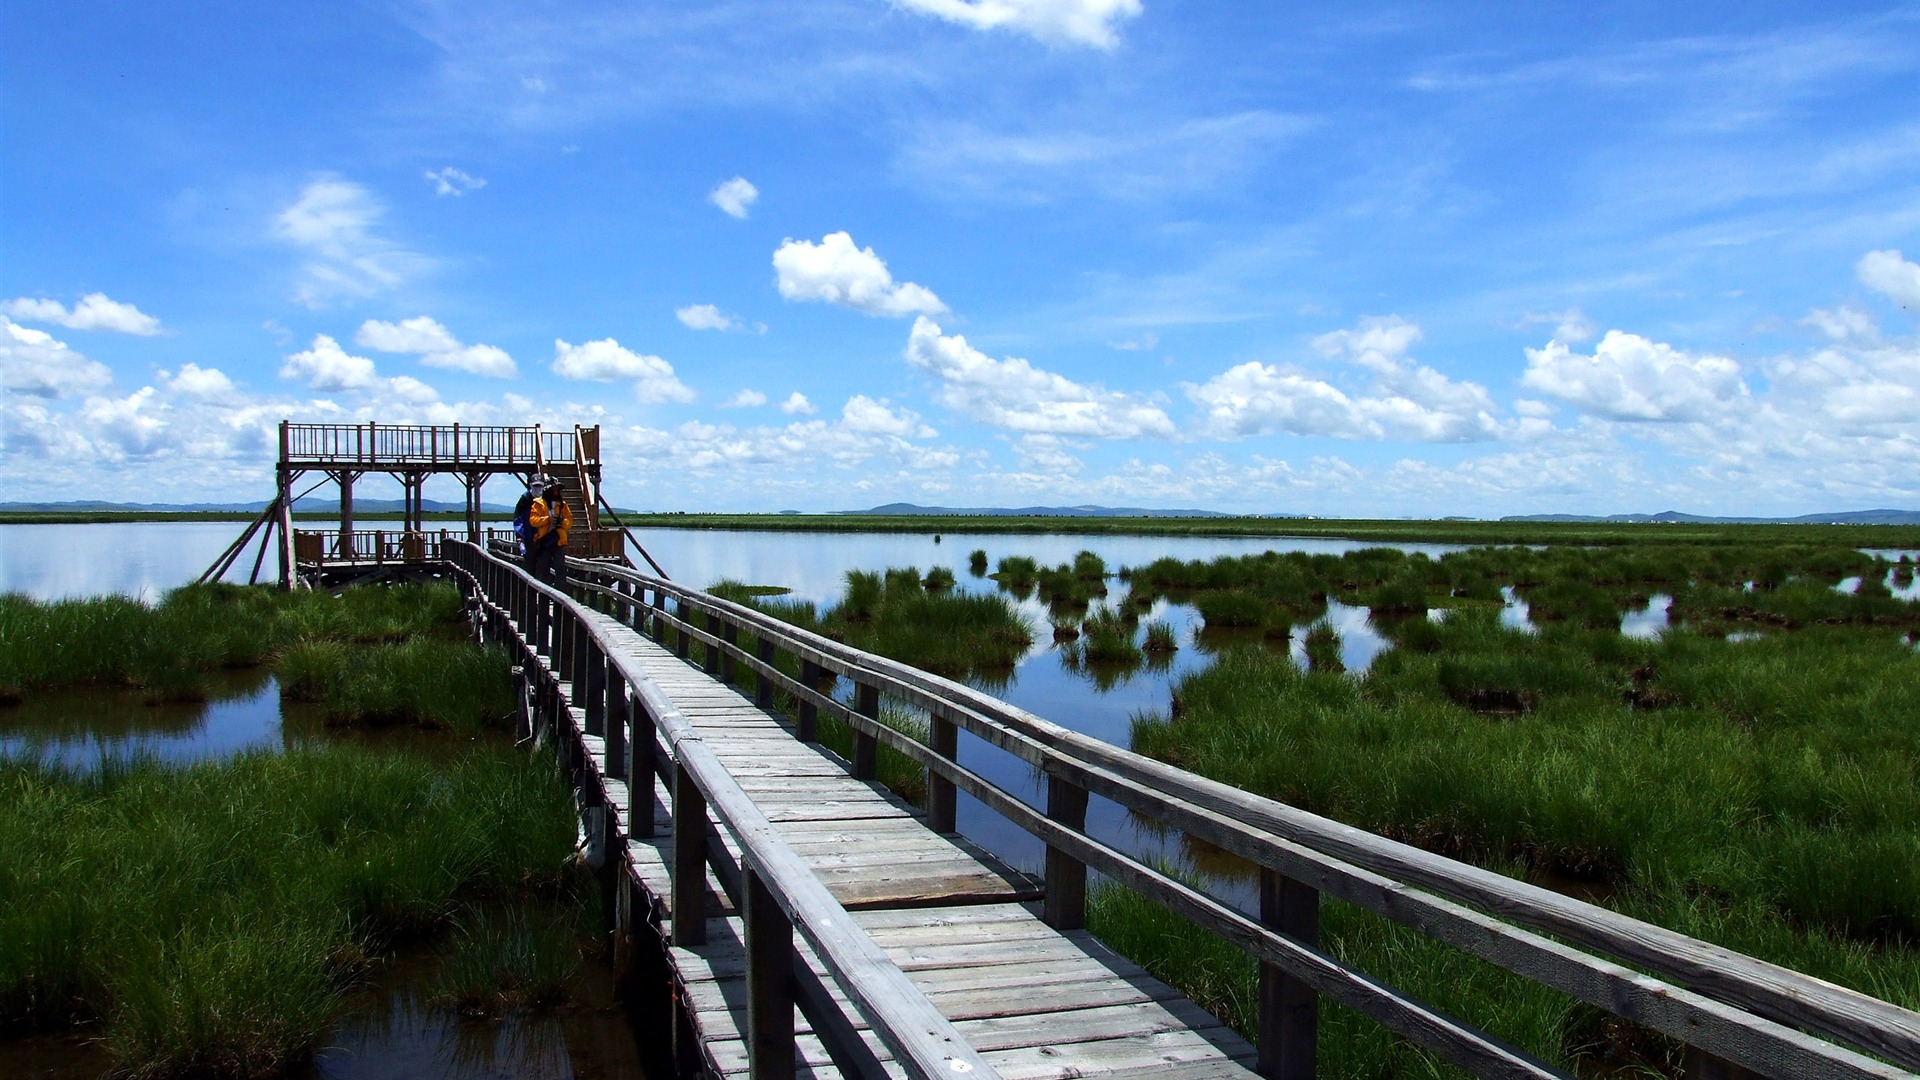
(522, 525)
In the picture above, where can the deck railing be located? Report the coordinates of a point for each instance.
(390, 446)
(1736, 1015)
(646, 740)
(319, 547)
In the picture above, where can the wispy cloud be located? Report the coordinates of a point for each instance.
(1092, 23)
(1142, 159)
(335, 224)
(452, 181)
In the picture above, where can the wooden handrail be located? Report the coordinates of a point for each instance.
(1733, 1007)
(924, 1043)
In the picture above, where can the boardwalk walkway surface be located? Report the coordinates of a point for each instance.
(1036, 1002)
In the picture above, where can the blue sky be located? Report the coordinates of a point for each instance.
(1347, 260)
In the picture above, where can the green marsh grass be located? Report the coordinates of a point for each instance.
(424, 681)
(1759, 795)
(117, 641)
(205, 920)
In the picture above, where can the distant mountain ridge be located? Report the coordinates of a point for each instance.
(911, 509)
(1848, 517)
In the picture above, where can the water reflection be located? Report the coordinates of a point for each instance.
(1516, 614)
(79, 728)
(1650, 621)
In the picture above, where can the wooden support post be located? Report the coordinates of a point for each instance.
(866, 747)
(1066, 900)
(643, 768)
(1289, 1019)
(762, 682)
(591, 691)
(579, 664)
(770, 1050)
(712, 665)
(684, 646)
(729, 633)
(345, 478)
(1697, 1064)
(689, 861)
(289, 568)
(617, 720)
(808, 721)
(943, 738)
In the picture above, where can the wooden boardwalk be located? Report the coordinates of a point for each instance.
(808, 923)
(1035, 1001)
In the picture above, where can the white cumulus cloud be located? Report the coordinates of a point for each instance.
(734, 197)
(745, 399)
(1406, 399)
(1056, 22)
(797, 405)
(836, 271)
(95, 311)
(333, 222)
(452, 181)
(1015, 395)
(705, 317)
(1892, 276)
(1631, 378)
(198, 382)
(33, 363)
(606, 360)
(326, 367)
(863, 414)
(435, 345)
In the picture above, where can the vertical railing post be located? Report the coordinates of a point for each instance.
(729, 633)
(643, 768)
(591, 690)
(577, 663)
(770, 1050)
(689, 859)
(866, 747)
(1289, 1018)
(762, 682)
(808, 720)
(712, 665)
(943, 738)
(684, 645)
(1066, 900)
(617, 720)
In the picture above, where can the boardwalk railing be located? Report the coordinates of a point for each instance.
(646, 740)
(1736, 1015)
(392, 445)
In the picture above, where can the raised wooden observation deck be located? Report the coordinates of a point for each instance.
(412, 454)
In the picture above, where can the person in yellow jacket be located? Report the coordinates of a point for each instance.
(549, 519)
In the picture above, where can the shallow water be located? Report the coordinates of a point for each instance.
(1650, 621)
(389, 1031)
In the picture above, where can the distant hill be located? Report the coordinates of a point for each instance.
(910, 509)
(1848, 517)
